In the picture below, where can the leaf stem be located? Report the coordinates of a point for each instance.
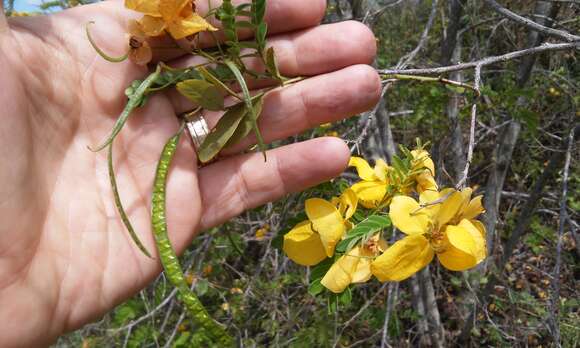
(248, 100)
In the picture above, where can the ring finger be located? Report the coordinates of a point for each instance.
(344, 87)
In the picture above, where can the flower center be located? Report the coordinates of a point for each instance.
(135, 42)
(438, 242)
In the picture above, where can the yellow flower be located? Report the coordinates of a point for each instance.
(426, 178)
(313, 240)
(176, 16)
(262, 232)
(441, 223)
(355, 266)
(372, 189)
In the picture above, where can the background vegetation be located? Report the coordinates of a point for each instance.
(524, 161)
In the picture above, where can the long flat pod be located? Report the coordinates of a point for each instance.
(167, 254)
(119, 203)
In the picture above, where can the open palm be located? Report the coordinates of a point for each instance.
(65, 257)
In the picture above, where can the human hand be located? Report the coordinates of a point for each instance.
(65, 257)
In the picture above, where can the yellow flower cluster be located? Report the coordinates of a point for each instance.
(435, 222)
(178, 17)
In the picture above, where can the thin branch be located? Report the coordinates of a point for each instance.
(398, 77)
(546, 47)
(408, 58)
(555, 300)
(391, 298)
(476, 84)
(531, 24)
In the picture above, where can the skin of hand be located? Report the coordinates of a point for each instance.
(65, 257)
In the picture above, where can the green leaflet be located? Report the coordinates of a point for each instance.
(272, 65)
(215, 81)
(203, 93)
(261, 28)
(227, 15)
(248, 100)
(167, 255)
(363, 230)
(258, 11)
(119, 204)
(247, 123)
(221, 134)
(133, 103)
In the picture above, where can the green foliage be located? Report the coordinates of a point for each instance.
(363, 231)
(202, 93)
(540, 234)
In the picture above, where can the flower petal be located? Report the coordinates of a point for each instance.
(134, 29)
(148, 7)
(303, 245)
(339, 276)
(363, 168)
(141, 55)
(451, 205)
(381, 170)
(431, 201)
(403, 259)
(189, 26)
(348, 203)
(426, 182)
(171, 9)
(473, 209)
(423, 160)
(327, 221)
(370, 193)
(152, 26)
(363, 272)
(460, 250)
(477, 231)
(408, 216)
(480, 227)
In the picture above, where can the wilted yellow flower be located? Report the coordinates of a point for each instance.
(313, 240)
(262, 232)
(207, 270)
(140, 51)
(237, 291)
(440, 223)
(354, 266)
(425, 179)
(189, 278)
(372, 189)
(176, 16)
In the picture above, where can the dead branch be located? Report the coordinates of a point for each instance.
(545, 47)
(563, 35)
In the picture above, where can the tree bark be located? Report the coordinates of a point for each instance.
(451, 54)
(509, 136)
